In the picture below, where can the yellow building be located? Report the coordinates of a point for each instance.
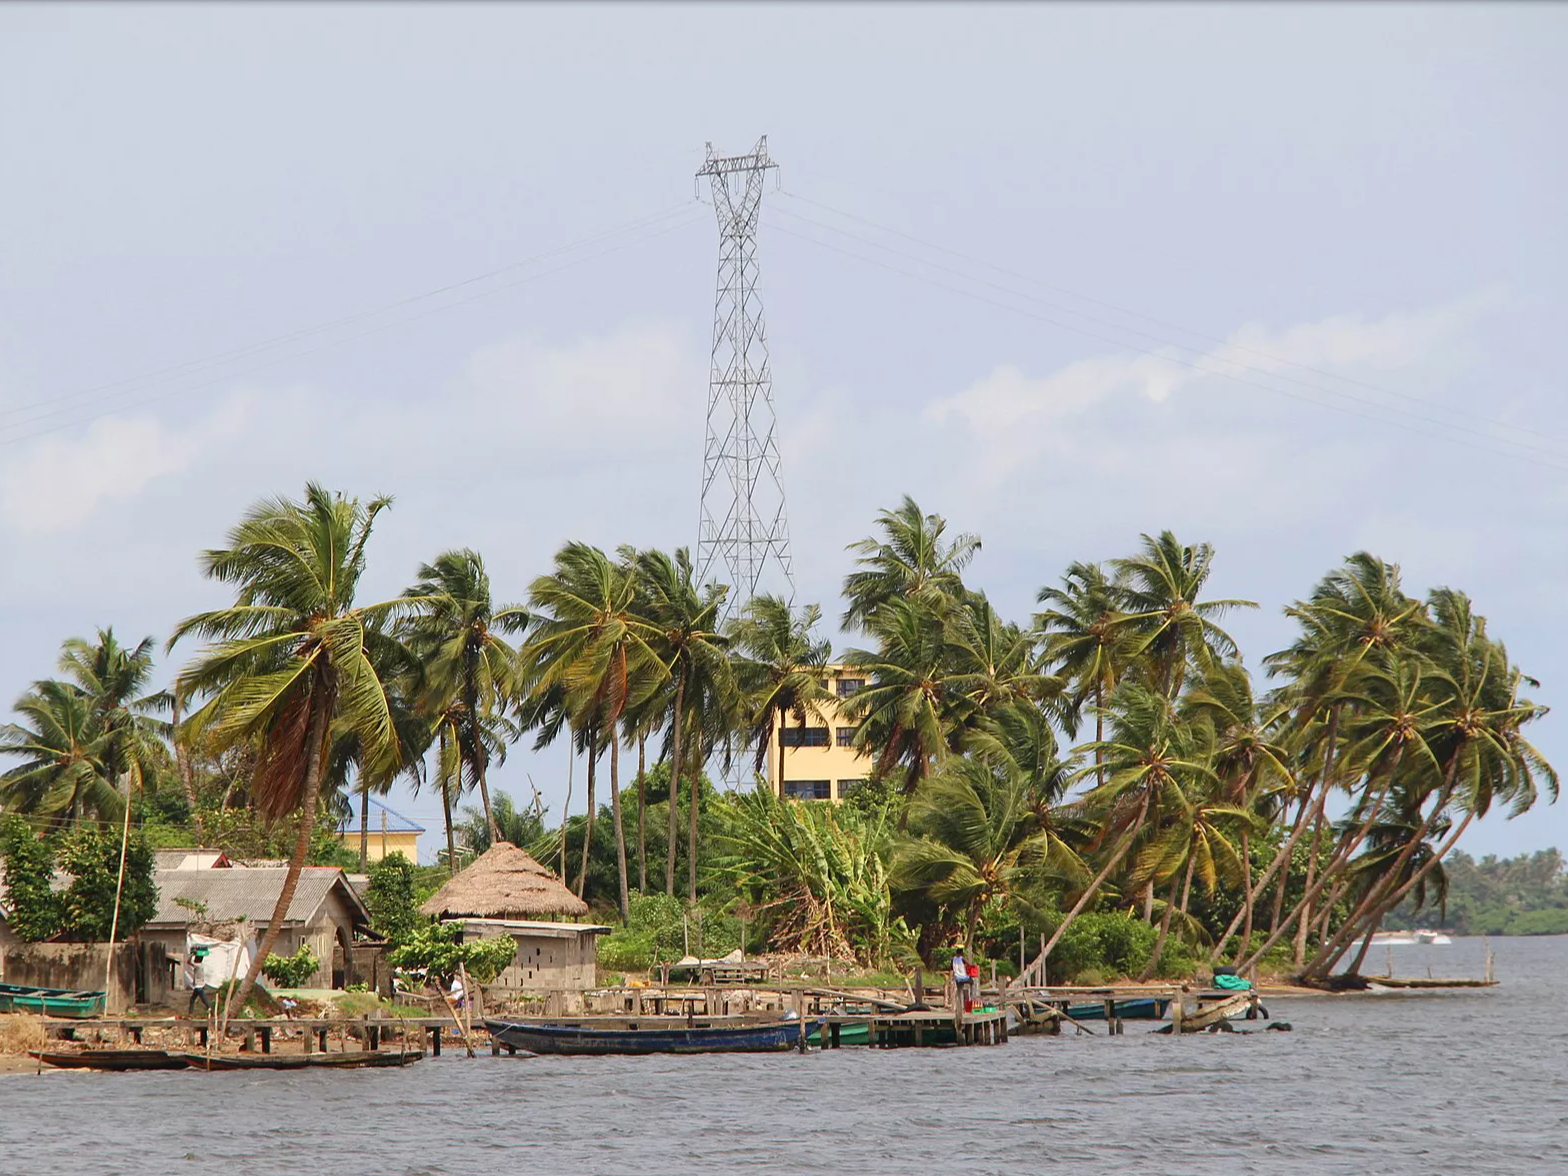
(817, 761)
(390, 833)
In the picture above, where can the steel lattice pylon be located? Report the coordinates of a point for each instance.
(743, 526)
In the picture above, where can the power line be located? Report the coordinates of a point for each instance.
(1278, 359)
(641, 238)
(1469, 440)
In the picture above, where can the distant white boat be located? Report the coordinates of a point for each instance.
(1432, 938)
(1394, 939)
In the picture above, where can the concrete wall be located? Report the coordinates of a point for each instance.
(139, 975)
(382, 845)
(550, 962)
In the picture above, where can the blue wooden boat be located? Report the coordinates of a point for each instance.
(1142, 1008)
(648, 1035)
(51, 1002)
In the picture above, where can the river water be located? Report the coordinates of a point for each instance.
(1437, 1084)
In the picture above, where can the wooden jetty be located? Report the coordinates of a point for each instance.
(258, 1035)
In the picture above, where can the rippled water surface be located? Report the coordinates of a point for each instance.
(1470, 1082)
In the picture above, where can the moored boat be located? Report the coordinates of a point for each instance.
(353, 1059)
(1143, 1008)
(649, 1035)
(118, 1060)
(51, 1002)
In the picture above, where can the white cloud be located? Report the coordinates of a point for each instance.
(1015, 416)
(61, 480)
(638, 379)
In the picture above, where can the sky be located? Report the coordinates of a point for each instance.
(1287, 279)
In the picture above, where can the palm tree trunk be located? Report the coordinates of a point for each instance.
(1376, 893)
(675, 783)
(480, 763)
(451, 841)
(1165, 926)
(364, 825)
(1099, 734)
(693, 799)
(315, 757)
(615, 813)
(582, 872)
(566, 809)
(1246, 883)
(642, 812)
(1087, 896)
(1347, 847)
(182, 764)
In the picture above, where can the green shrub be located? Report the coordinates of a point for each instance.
(392, 899)
(293, 971)
(434, 950)
(1111, 942)
(627, 950)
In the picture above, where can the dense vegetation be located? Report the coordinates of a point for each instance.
(1524, 895)
(1105, 779)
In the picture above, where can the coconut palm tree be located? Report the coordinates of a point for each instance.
(993, 667)
(905, 715)
(592, 640)
(693, 651)
(778, 666)
(1170, 630)
(1148, 755)
(65, 773)
(468, 669)
(293, 660)
(115, 680)
(912, 561)
(1083, 642)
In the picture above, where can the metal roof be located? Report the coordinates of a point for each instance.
(396, 822)
(253, 893)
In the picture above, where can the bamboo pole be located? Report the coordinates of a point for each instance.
(119, 889)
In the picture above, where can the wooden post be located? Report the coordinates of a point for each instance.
(266, 1039)
(800, 1018)
(435, 1041)
(1178, 1012)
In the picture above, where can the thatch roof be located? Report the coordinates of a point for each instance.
(503, 883)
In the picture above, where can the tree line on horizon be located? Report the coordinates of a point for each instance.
(1108, 767)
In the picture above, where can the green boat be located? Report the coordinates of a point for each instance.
(51, 1002)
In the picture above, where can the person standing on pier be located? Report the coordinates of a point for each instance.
(962, 981)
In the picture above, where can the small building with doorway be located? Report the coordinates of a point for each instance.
(504, 891)
(325, 913)
(388, 832)
(817, 759)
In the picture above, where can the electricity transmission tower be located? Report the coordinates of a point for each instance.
(743, 525)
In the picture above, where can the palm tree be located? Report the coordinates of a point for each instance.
(778, 663)
(912, 705)
(115, 679)
(65, 772)
(993, 667)
(912, 562)
(1082, 640)
(469, 670)
(1169, 628)
(593, 642)
(293, 659)
(1148, 755)
(685, 620)
(1249, 760)
(981, 834)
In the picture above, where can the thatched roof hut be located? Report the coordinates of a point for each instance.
(503, 883)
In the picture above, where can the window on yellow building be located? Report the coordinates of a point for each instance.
(805, 736)
(846, 736)
(808, 789)
(848, 687)
(845, 787)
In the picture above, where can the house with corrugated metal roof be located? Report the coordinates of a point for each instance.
(325, 913)
(386, 832)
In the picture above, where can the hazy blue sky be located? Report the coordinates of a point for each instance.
(1355, 211)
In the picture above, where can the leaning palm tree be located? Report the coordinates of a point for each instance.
(694, 653)
(469, 672)
(295, 658)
